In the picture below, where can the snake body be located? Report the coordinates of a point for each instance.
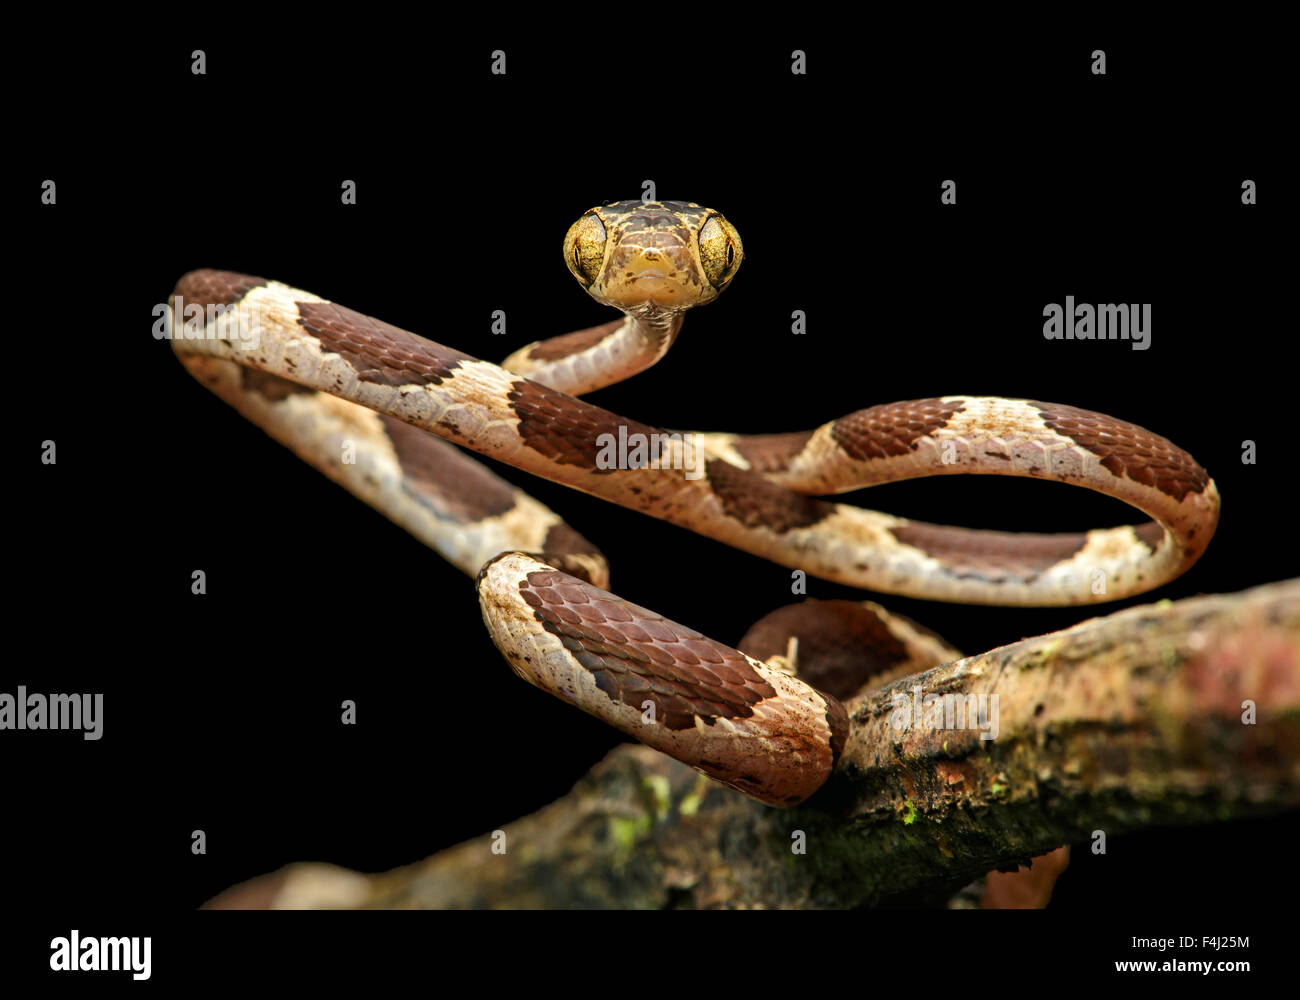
(361, 400)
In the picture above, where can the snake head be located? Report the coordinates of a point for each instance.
(665, 256)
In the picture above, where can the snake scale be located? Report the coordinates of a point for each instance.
(374, 407)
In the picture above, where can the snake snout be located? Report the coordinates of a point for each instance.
(652, 275)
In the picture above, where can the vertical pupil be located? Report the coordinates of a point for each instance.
(731, 254)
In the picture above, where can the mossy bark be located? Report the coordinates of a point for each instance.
(1139, 719)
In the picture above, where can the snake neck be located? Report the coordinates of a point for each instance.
(655, 326)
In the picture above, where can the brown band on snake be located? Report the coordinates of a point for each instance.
(771, 452)
(744, 722)
(464, 488)
(380, 352)
(563, 540)
(636, 655)
(842, 644)
(562, 346)
(220, 288)
(1151, 534)
(1128, 450)
(892, 429)
(757, 503)
(989, 555)
(837, 718)
(270, 387)
(564, 429)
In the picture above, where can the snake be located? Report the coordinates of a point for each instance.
(388, 415)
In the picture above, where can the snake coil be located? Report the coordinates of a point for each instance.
(316, 376)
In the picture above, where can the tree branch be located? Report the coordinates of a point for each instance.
(1125, 722)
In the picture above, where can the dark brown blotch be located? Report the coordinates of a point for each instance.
(892, 429)
(842, 644)
(771, 452)
(214, 288)
(989, 555)
(564, 429)
(271, 387)
(445, 479)
(837, 718)
(1151, 534)
(757, 503)
(380, 352)
(563, 540)
(1128, 450)
(636, 655)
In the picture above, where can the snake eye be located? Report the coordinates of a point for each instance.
(720, 251)
(584, 248)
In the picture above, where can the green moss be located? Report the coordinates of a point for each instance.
(909, 813)
(659, 794)
(690, 805)
(626, 831)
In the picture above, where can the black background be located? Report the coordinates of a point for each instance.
(222, 711)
